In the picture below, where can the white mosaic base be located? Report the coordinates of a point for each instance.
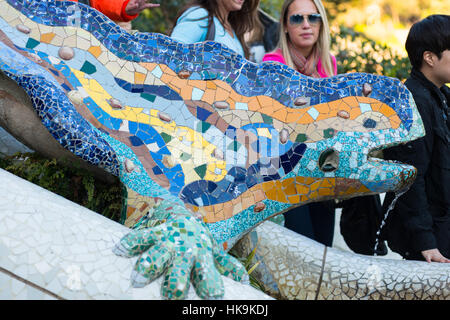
(305, 269)
(51, 248)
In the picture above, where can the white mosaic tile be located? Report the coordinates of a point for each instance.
(302, 269)
(66, 250)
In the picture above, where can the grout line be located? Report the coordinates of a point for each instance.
(31, 284)
(321, 272)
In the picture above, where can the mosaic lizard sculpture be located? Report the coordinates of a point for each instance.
(208, 144)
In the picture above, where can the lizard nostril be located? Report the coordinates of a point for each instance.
(329, 160)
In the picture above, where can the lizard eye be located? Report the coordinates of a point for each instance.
(329, 160)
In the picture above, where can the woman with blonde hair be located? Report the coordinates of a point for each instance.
(304, 45)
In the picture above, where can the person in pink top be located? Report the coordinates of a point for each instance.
(304, 45)
(304, 42)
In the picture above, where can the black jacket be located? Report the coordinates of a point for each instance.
(421, 217)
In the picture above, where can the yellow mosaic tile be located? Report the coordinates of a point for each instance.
(139, 78)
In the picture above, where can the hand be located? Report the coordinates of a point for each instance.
(137, 6)
(182, 248)
(434, 255)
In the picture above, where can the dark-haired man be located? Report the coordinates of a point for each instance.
(419, 226)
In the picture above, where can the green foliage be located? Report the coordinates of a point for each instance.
(272, 7)
(335, 7)
(68, 181)
(248, 264)
(355, 52)
(160, 19)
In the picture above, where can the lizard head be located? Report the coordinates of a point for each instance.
(314, 145)
(317, 146)
(345, 149)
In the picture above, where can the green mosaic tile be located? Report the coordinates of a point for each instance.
(267, 119)
(88, 68)
(32, 43)
(149, 97)
(167, 138)
(201, 170)
(301, 137)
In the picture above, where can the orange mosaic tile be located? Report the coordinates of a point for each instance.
(96, 51)
(47, 37)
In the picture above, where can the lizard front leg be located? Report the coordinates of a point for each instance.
(180, 247)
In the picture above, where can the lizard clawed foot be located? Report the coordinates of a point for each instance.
(184, 251)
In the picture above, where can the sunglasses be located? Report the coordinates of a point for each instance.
(313, 18)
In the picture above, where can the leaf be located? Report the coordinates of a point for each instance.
(253, 268)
